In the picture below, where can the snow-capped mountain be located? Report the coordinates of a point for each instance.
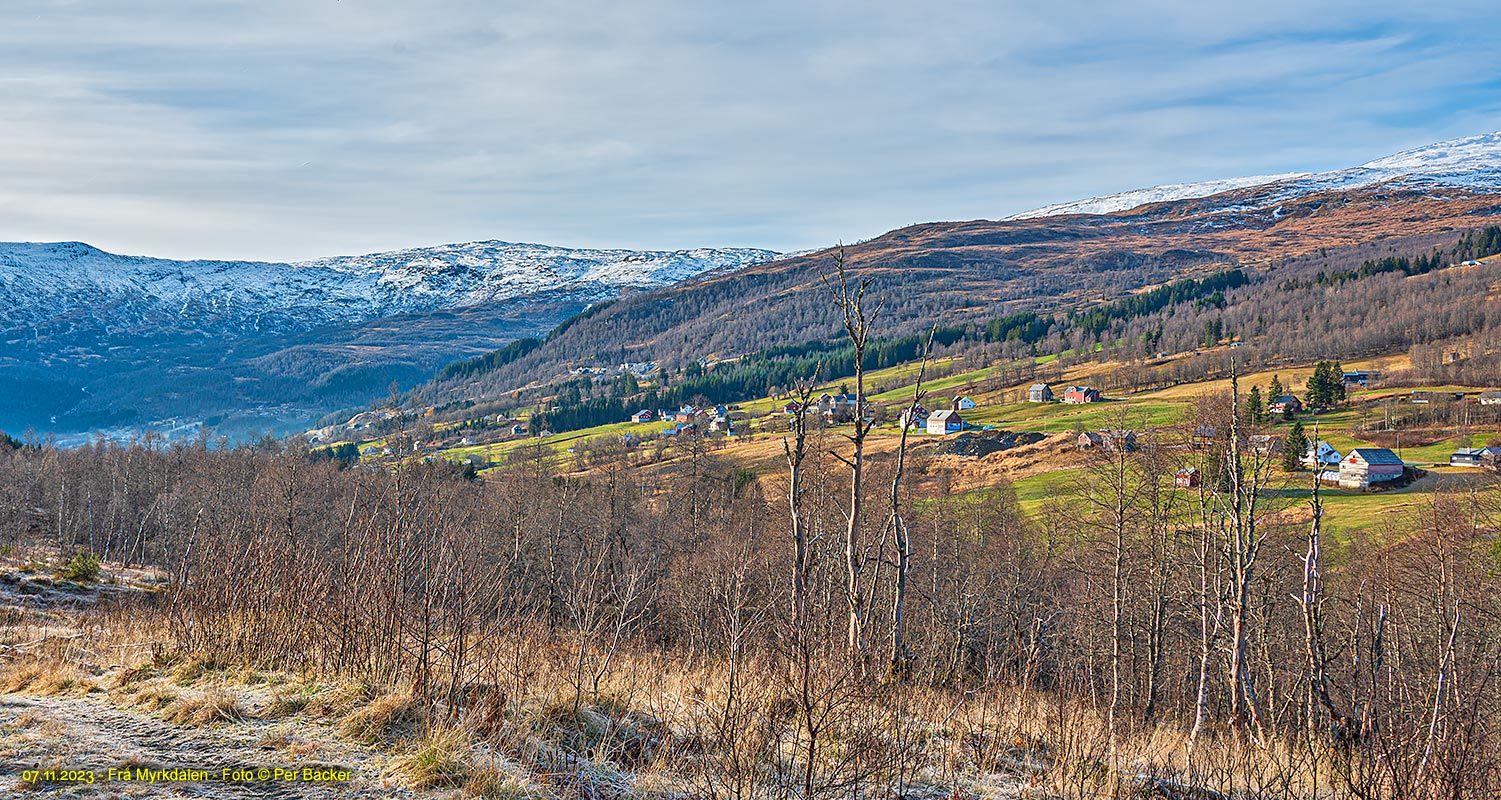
(1472, 162)
(90, 340)
(41, 283)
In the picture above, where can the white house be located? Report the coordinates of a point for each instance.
(946, 421)
(1326, 456)
(964, 403)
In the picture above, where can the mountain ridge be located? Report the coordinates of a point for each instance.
(979, 269)
(1465, 162)
(92, 339)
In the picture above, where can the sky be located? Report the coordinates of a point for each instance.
(294, 129)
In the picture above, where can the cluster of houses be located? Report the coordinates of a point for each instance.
(1073, 395)
(1361, 469)
(833, 408)
(941, 422)
(639, 369)
(1108, 439)
(718, 419)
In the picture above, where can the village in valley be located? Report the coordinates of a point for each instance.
(1370, 442)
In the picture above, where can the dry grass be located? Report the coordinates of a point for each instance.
(498, 780)
(152, 696)
(47, 677)
(218, 704)
(338, 699)
(387, 718)
(440, 758)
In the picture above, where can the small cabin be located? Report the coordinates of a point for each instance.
(1187, 478)
(1423, 398)
(1471, 457)
(1081, 394)
(1285, 404)
(946, 421)
(963, 403)
(1321, 456)
(1204, 435)
(1108, 439)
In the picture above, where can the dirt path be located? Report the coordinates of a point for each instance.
(92, 735)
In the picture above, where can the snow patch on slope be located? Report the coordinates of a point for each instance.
(42, 282)
(1472, 162)
(1158, 194)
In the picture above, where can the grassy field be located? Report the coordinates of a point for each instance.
(1049, 474)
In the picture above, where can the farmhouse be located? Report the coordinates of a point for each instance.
(963, 403)
(1320, 456)
(1204, 435)
(914, 417)
(1187, 478)
(946, 421)
(642, 416)
(1422, 398)
(1361, 377)
(1126, 440)
(1040, 393)
(1081, 394)
(1108, 439)
(791, 407)
(1367, 465)
(1473, 457)
(1490, 397)
(1285, 404)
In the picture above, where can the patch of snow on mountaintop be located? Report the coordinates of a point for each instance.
(41, 281)
(1470, 162)
(1158, 194)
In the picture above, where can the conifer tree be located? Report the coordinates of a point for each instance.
(1294, 448)
(1255, 406)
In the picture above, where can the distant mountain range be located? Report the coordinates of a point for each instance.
(90, 340)
(94, 341)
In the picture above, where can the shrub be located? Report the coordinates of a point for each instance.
(83, 568)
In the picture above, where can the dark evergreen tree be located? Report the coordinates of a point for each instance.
(1294, 448)
(1256, 407)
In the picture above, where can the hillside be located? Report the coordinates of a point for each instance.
(1276, 229)
(90, 339)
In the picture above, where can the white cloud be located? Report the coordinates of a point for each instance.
(282, 129)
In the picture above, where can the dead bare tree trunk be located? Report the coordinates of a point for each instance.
(796, 451)
(901, 655)
(858, 320)
(1246, 481)
(1341, 727)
